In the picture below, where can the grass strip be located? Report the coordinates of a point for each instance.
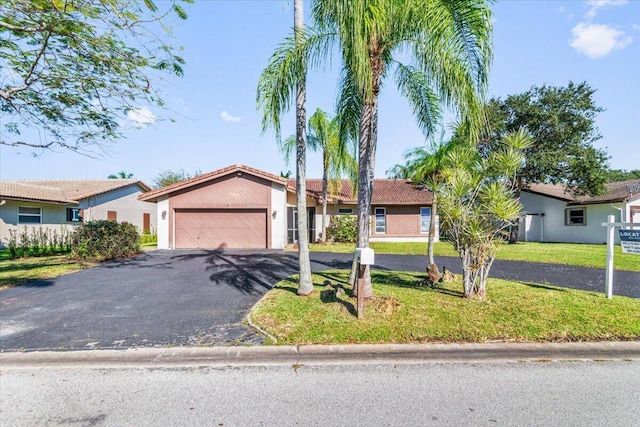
(19, 271)
(403, 311)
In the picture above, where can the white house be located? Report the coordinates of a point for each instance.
(552, 214)
(65, 203)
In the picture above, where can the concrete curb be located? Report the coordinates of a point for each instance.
(324, 355)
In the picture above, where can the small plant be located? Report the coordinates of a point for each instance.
(343, 228)
(24, 242)
(12, 244)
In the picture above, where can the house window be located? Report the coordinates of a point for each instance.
(425, 219)
(73, 215)
(29, 215)
(576, 216)
(345, 211)
(112, 216)
(381, 220)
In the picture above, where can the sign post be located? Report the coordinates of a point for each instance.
(631, 239)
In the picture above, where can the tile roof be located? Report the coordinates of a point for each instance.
(616, 192)
(63, 191)
(385, 191)
(210, 176)
(40, 193)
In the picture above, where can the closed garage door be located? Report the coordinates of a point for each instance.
(221, 228)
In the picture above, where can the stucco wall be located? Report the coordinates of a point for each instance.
(553, 221)
(54, 217)
(125, 202)
(163, 223)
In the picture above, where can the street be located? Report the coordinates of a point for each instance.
(545, 393)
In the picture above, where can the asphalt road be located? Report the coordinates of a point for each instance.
(189, 298)
(452, 394)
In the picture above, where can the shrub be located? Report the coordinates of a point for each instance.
(151, 237)
(343, 228)
(106, 240)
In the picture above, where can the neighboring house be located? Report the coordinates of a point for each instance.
(555, 215)
(242, 207)
(54, 204)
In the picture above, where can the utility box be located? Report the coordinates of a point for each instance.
(365, 256)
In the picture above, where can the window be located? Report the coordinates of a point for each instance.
(425, 219)
(345, 211)
(112, 216)
(381, 220)
(576, 216)
(73, 215)
(29, 215)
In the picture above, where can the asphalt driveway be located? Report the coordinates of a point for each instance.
(187, 298)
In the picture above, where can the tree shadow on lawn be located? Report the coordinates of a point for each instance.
(390, 278)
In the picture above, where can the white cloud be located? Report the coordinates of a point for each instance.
(229, 118)
(141, 116)
(597, 40)
(596, 5)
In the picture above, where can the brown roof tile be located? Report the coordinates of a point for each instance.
(385, 191)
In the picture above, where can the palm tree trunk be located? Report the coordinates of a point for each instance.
(325, 191)
(432, 230)
(305, 285)
(365, 185)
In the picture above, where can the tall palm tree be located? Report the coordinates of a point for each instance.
(324, 135)
(427, 167)
(438, 53)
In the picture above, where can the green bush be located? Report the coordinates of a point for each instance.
(343, 228)
(106, 240)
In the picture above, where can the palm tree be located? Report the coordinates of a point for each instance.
(121, 175)
(438, 53)
(324, 136)
(427, 167)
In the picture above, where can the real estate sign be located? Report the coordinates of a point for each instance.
(630, 241)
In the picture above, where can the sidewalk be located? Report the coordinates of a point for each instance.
(325, 355)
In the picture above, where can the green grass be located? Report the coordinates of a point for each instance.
(582, 255)
(512, 312)
(19, 271)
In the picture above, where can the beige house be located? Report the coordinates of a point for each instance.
(65, 203)
(243, 207)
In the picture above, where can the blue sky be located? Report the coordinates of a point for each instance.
(227, 44)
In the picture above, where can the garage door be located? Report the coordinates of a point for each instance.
(221, 228)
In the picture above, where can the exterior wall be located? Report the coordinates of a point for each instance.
(237, 190)
(553, 221)
(54, 217)
(278, 216)
(163, 223)
(125, 202)
(402, 224)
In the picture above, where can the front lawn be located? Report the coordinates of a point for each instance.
(403, 311)
(19, 271)
(556, 253)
